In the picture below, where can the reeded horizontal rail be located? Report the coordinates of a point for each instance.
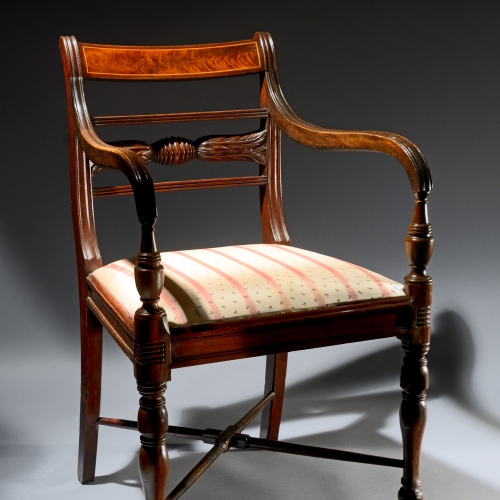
(160, 187)
(100, 121)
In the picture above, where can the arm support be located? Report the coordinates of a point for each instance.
(124, 160)
(321, 138)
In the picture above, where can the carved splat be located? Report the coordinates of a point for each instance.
(177, 150)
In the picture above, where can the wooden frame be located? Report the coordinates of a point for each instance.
(156, 349)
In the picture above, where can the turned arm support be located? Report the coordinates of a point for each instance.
(316, 137)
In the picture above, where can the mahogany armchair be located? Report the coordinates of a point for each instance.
(183, 308)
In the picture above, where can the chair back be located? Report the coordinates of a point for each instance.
(82, 61)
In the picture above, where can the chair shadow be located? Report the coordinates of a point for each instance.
(451, 362)
(126, 476)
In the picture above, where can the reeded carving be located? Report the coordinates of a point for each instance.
(250, 147)
(424, 316)
(171, 151)
(150, 354)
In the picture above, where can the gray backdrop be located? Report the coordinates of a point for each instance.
(426, 70)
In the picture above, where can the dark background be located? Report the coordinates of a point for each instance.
(427, 70)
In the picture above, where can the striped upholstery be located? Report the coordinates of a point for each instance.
(238, 281)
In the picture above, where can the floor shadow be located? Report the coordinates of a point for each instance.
(451, 363)
(126, 476)
(452, 360)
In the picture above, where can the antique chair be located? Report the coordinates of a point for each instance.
(174, 314)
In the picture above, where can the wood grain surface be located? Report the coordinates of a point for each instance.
(169, 63)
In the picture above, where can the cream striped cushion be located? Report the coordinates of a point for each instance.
(238, 281)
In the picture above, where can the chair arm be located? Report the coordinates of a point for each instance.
(313, 136)
(126, 161)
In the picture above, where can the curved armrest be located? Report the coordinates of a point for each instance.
(321, 138)
(122, 159)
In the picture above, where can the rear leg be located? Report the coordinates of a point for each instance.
(275, 381)
(90, 402)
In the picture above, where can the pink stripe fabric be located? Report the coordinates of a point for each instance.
(383, 288)
(251, 306)
(352, 294)
(215, 310)
(364, 271)
(171, 304)
(274, 284)
(318, 298)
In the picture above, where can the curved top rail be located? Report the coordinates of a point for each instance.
(181, 62)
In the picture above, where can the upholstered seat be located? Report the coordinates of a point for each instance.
(246, 280)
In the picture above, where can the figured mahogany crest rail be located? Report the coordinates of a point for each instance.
(165, 63)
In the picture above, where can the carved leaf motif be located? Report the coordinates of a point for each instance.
(250, 147)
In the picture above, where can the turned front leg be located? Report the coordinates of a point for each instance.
(152, 423)
(414, 374)
(152, 369)
(413, 415)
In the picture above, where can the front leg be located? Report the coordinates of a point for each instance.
(413, 415)
(152, 423)
(414, 374)
(152, 369)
